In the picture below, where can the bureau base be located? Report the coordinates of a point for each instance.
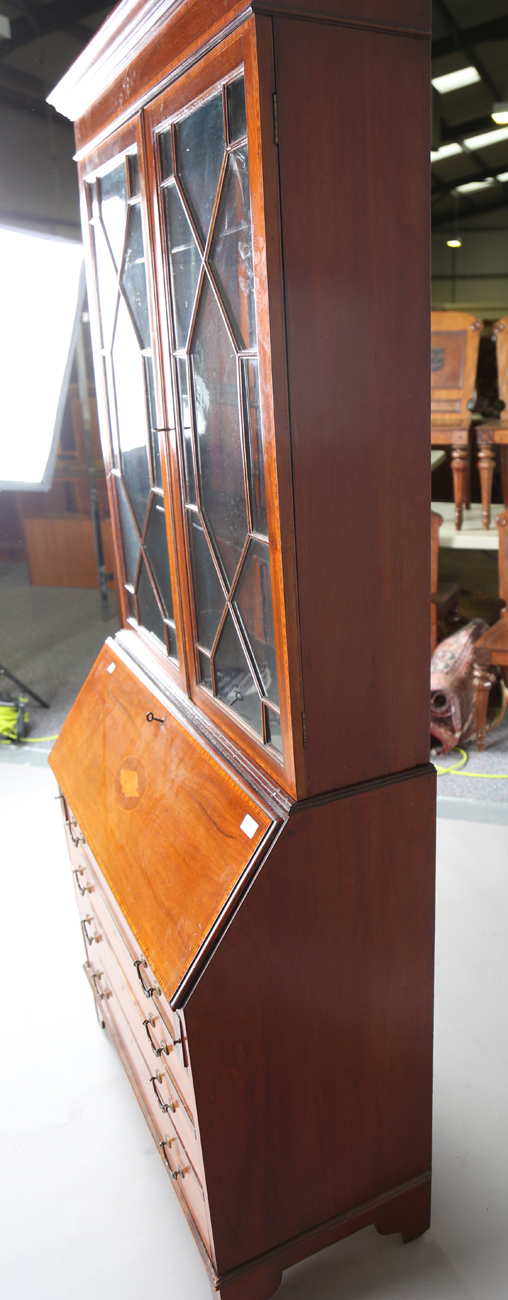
(404, 1209)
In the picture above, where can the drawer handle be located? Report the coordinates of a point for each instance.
(83, 889)
(90, 938)
(76, 839)
(157, 1051)
(147, 990)
(164, 1105)
(175, 1173)
(97, 975)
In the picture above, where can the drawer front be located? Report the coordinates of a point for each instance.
(175, 1152)
(145, 1023)
(169, 1030)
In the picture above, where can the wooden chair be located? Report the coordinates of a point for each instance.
(497, 432)
(455, 343)
(444, 600)
(492, 648)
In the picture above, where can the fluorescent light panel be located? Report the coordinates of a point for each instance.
(500, 113)
(40, 285)
(446, 151)
(488, 137)
(455, 80)
(475, 185)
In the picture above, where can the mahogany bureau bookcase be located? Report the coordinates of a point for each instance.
(245, 779)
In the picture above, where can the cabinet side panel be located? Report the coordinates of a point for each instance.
(353, 121)
(310, 1032)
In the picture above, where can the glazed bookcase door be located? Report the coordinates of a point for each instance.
(202, 186)
(132, 412)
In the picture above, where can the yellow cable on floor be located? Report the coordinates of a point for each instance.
(483, 776)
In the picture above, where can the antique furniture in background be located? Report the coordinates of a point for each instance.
(248, 799)
(444, 603)
(454, 361)
(492, 648)
(492, 434)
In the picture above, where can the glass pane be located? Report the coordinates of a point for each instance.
(200, 150)
(129, 535)
(209, 596)
(152, 420)
(231, 253)
(113, 191)
(149, 613)
(166, 158)
(218, 432)
(235, 683)
(184, 261)
(156, 546)
(130, 395)
(206, 671)
(183, 389)
(131, 612)
(253, 603)
(133, 277)
(107, 283)
(274, 730)
(252, 417)
(237, 113)
(134, 174)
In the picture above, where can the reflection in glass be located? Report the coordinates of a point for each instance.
(156, 546)
(134, 174)
(253, 603)
(133, 278)
(235, 682)
(129, 535)
(206, 671)
(131, 413)
(152, 420)
(184, 261)
(113, 191)
(149, 612)
(231, 254)
(200, 150)
(185, 418)
(254, 439)
(107, 282)
(219, 442)
(165, 155)
(237, 113)
(274, 730)
(208, 593)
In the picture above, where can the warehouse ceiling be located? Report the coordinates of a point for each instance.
(470, 152)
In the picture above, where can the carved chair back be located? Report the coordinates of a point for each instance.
(455, 343)
(501, 337)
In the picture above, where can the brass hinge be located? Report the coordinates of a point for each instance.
(275, 120)
(304, 731)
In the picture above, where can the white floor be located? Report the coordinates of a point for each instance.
(86, 1209)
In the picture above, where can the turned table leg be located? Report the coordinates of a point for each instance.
(486, 465)
(459, 463)
(483, 680)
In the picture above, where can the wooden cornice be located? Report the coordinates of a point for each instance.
(158, 29)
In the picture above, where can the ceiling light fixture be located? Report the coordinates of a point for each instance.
(500, 113)
(446, 151)
(487, 138)
(456, 80)
(475, 185)
(454, 243)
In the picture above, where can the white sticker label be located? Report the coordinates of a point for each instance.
(249, 826)
(110, 668)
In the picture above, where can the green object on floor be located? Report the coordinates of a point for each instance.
(13, 718)
(483, 776)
